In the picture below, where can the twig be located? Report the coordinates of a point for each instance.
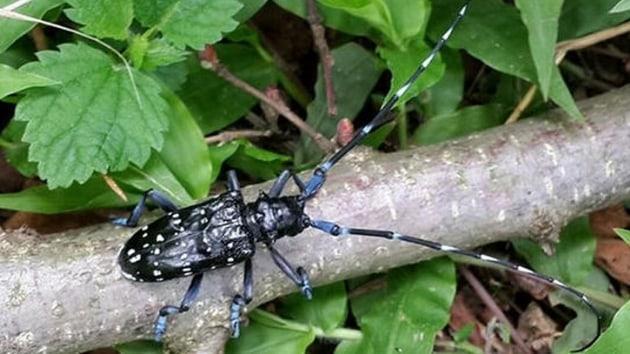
(319, 37)
(562, 49)
(39, 38)
(256, 120)
(237, 134)
(209, 61)
(492, 305)
(115, 187)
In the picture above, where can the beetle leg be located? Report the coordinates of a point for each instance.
(160, 322)
(299, 276)
(239, 301)
(281, 182)
(232, 181)
(158, 198)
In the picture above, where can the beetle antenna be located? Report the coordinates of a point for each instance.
(383, 116)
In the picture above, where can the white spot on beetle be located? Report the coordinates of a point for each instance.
(175, 216)
(202, 211)
(184, 256)
(159, 279)
(177, 221)
(135, 259)
(230, 245)
(131, 251)
(156, 251)
(145, 235)
(155, 264)
(145, 228)
(187, 274)
(204, 220)
(187, 269)
(230, 259)
(159, 238)
(157, 273)
(146, 245)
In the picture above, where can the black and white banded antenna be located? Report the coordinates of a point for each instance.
(340, 231)
(383, 116)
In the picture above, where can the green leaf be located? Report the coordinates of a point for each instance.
(580, 17)
(93, 194)
(624, 234)
(93, 120)
(615, 339)
(354, 75)
(493, 33)
(332, 17)
(622, 5)
(250, 7)
(140, 347)
(214, 102)
(403, 63)
(185, 151)
(192, 23)
(580, 330)
(102, 18)
(446, 95)
(572, 261)
(219, 154)
(15, 81)
(14, 29)
(17, 152)
(541, 19)
(266, 335)
(460, 123)
(396, 20)
(327, 310)
(149, 55)
(406, 316)
(257, 162)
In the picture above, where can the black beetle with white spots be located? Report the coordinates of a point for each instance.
(224, 230)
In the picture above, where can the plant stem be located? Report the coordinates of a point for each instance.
(402, 128)
(605, 298)
(271, 320)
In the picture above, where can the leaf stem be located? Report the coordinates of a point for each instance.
(271, 320)
(6, 144)
(603, 297)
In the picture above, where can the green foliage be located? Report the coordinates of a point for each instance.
(541, 19)
(615, 339)
(408, 313)
(15, 81)
(12, 30)
(327, 310)
(354, 75)
(581, 17)
(102, 18)
(214, 102)
(93, 121)
(622, 6)
(624, 234)
(194, 23)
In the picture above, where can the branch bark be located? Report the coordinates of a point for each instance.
(64, 293)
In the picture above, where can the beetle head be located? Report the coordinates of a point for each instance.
(278, 217)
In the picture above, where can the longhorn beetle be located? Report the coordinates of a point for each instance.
(224, 230)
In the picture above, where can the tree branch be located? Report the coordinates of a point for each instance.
(64, 293)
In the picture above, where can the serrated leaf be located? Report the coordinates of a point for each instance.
(460, 123)
(493, 33)
(192, 23)
(622, 5)
(572, 261)
(541, 19)
(327, 310)
(581, 17)
(93, 194)
(354, 75)
(403, 63)
(102, 18)
(214, 102)
(161, 53)
(249, 9)
(15, 81)
(624, 234)
(407, 315)
(615, 339)
(446, 95)
(14, 29)
(93, 121)
(266, 336)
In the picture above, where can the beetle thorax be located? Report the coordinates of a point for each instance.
(278, 217)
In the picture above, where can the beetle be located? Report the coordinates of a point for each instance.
(224, 230)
